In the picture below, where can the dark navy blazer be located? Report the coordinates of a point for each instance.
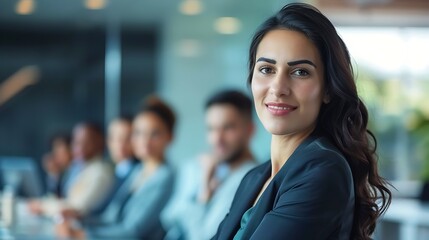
(311, 197)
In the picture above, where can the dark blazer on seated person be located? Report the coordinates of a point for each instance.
(311, 197)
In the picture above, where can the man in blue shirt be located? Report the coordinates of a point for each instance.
(206, 185)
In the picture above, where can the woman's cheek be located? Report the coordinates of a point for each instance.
(311, 92)
(257, 88)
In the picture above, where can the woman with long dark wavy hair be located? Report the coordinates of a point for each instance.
(322, 181)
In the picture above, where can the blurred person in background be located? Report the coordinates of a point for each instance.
(121, 153)
(56, 163)
(134, 211)
(206, 187)
(120, 147)
(88, 179)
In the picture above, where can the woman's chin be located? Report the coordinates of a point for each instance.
(276, 130)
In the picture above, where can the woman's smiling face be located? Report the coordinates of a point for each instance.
(288, 82)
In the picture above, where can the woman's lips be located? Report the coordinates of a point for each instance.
(280, 109)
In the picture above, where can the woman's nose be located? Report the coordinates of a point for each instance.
(280, 85)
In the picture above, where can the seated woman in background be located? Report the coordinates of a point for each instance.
(134, 210)
(322, 181)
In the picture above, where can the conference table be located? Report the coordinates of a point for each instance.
(28, 226)
(406, 219)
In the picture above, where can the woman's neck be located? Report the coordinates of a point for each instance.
(283, 146)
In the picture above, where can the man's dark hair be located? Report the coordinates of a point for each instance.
(92, 126)
(63, 137)
(235, 98)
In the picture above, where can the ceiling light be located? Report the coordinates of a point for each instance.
(227, 25)
(25, 7)
(95, 4)
(189, 48)
(191, 7)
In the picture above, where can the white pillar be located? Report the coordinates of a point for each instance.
(112, 71)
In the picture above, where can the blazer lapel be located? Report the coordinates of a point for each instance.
(112, 211)
(252, 193)
(268, 198)
(245, 199)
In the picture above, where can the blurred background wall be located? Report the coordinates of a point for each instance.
(62, 62)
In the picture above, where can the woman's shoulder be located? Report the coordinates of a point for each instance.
(320, 152)
(323, 144)
(317, 160)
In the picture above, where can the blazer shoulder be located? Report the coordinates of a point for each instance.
(322, 152)
(318, 159)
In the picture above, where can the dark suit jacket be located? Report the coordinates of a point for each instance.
(311, 197)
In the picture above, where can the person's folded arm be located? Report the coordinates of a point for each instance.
(96, 189)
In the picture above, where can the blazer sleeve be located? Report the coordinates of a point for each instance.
(312, 207)
(142, 218)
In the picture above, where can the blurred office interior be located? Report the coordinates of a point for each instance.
(62, 62)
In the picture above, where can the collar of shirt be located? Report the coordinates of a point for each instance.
(123, 168)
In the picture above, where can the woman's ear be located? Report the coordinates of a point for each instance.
(326, 98)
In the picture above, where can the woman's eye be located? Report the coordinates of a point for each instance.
(300, 72)
(266, 70)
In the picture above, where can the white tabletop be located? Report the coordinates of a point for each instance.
(28, 226)
(410, 211)
(412, 217)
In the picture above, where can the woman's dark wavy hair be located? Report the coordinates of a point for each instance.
(344, 119)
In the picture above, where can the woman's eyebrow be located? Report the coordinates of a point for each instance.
(268, 60)
(293, 63)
